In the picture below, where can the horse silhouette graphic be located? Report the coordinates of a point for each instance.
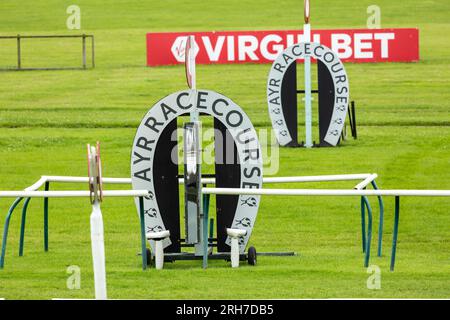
(151, 212)
(251, 202)
(276, 111)
(150, 196)
(154, 229)
(245, 222)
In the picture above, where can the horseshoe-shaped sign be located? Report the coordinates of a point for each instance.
(340, 81)
(239, 127)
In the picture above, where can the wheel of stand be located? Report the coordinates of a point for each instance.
(251, 256)
(149, 257)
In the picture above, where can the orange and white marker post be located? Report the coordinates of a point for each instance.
(97, 239)
(190, 73)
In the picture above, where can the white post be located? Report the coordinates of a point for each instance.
(98, 252)
(159, 237)
(234, 252)
(235, 234)
(159, 255)
(308, 110)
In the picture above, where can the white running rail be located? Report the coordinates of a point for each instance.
(365, 177)
(326, 192)
(71, 194)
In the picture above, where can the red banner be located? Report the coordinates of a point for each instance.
(354, 45)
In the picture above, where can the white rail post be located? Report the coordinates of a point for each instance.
(98, 252)
(97, 240)
(235, 234)
(159, 237)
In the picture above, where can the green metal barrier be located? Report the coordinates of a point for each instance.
(22, 225)
(366, 235)
(47, 187)
(380, 222)
(395, 231)
(381, 219)
(206, 198)
(5, 230)
(363, 225)
(366, 204)
(143, 236)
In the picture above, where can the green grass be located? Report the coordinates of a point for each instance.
(46, 118)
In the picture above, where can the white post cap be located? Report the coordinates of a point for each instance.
(158, 235)
(236, 233)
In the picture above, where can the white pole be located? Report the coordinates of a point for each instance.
(159, 254)
(71, 194)
(38, 184)
(366, 182)
(72, 179)
(235, 234)
(308, 98)
(234, 252)
(97, 241)
(84, 179)
(326, 192)
(98, 252)
(324, 178)
(236, 191)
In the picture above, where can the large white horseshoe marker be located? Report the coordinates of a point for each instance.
(340, 82)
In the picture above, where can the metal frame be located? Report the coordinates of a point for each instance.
(336, 192)
(208, 246)
(366, 178)
(362, 192)
(83, 51)
(46, 195)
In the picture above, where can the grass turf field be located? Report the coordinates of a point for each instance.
(46, 118)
